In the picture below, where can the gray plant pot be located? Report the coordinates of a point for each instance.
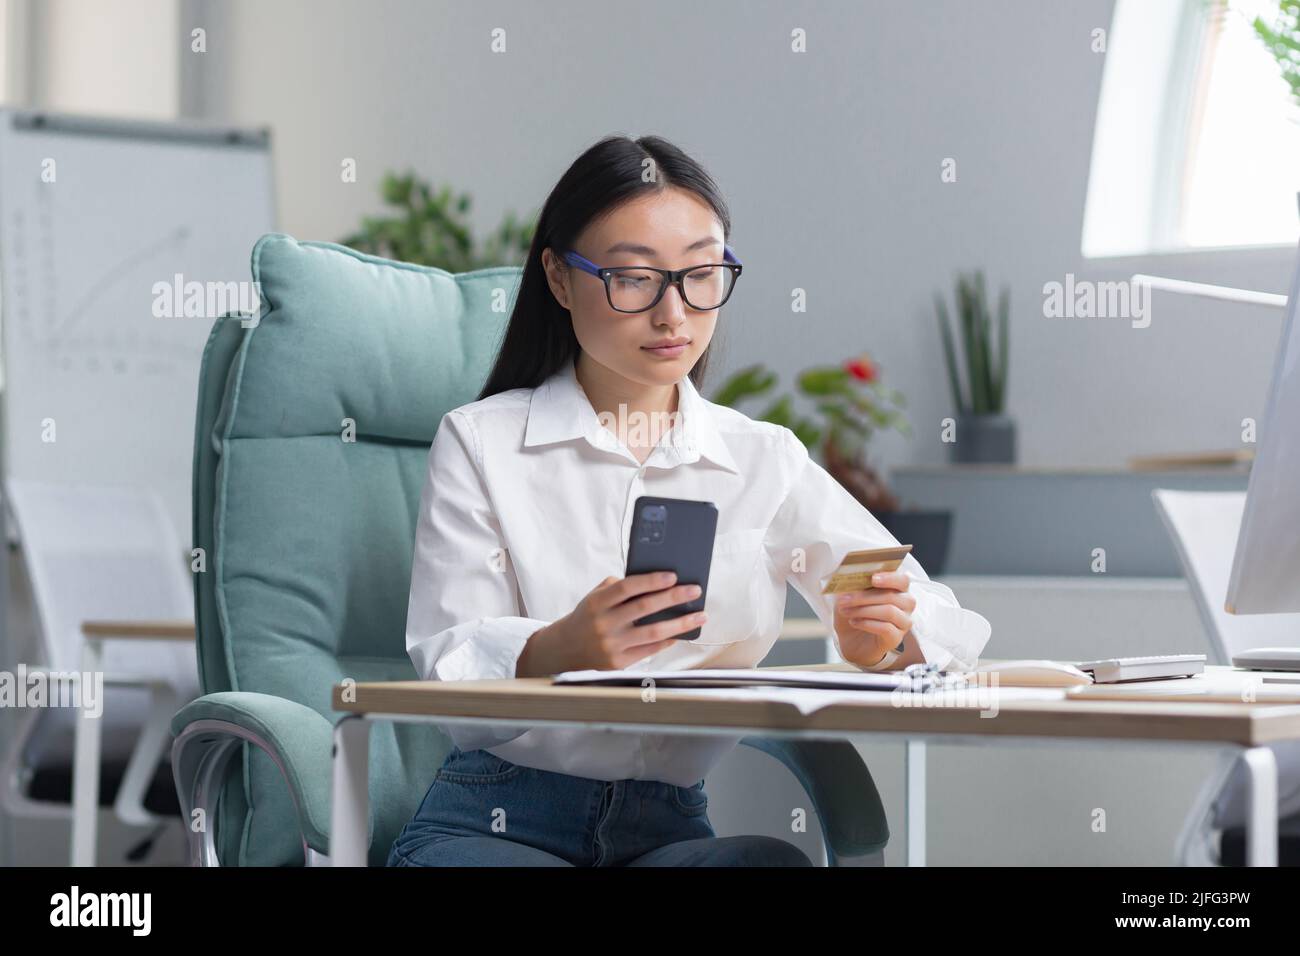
(984, 439)
(928, 532)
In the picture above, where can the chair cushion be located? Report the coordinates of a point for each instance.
(320, 443)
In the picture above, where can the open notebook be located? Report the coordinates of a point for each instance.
(739, 677)
(807, 690)
(1018, 673)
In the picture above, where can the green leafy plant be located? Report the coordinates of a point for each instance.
(853, 405)
(985, 359)
(430, 228)
(758, 380)
(1282, 37)
(852, 400)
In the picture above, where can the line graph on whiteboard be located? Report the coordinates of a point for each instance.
(72, 316)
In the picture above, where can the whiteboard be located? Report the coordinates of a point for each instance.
(97, 386)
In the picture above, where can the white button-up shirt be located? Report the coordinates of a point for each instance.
(528, 505)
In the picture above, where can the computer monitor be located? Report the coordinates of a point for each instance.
(1265, 575)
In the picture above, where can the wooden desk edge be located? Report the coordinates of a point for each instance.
(530, 700)
(141, 630)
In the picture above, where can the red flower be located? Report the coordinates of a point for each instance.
(862, 369)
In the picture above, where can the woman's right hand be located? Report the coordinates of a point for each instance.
(599, 634)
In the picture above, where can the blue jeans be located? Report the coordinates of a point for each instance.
(482, 810)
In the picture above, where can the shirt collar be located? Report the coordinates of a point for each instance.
(559, 410)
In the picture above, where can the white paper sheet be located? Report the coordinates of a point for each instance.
(811, 699)
(861, 680)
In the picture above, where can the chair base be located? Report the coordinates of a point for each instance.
(54, 785)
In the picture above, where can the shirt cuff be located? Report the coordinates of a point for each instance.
(491, 651)
(946, 634)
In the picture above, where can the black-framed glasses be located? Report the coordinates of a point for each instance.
(639, 288)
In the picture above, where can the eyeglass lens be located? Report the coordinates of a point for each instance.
(705, 288)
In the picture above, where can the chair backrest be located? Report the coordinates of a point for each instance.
(312, 438)
(1204, 526)
(103, 552)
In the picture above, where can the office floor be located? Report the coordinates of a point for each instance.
(49, 843)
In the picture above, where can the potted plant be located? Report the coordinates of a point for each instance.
(984, 433)
(853, 405)
(431, 229)
(1282, 38)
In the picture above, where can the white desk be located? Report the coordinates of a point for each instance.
(1230, 728)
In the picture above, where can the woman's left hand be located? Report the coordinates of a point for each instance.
(871, 623)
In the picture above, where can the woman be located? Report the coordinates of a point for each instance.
(524, 522)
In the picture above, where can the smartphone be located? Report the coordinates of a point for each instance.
(673, 534)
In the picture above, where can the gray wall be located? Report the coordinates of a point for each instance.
(1019, 521)
(831, 163)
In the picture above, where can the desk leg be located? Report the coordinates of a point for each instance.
(85, 763)
(1261, 806)
(914, 792)
(350, 814)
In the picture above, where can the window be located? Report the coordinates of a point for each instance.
(1197, 142)
(6, 53)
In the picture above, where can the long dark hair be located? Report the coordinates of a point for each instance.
(540, 337)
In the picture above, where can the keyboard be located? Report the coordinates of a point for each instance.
(1112, 670)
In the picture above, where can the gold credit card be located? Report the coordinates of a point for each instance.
(855, 571)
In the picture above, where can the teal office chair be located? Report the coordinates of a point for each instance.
(313, 428)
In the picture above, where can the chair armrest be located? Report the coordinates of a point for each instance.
(298, 739)
(843, 793)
